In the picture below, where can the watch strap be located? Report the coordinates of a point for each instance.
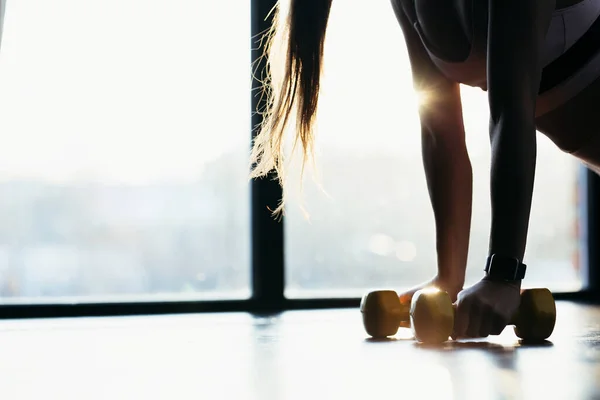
(504, 268)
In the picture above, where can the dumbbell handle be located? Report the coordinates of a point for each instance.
(534, 319)
(512, 321)
(398, 314)
(403, 316)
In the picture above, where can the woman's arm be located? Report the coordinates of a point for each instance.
(445, 158)
(516, 33)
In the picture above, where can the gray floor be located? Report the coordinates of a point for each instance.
(298, 355)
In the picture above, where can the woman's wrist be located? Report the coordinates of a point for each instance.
(450, 283)
(516, 284)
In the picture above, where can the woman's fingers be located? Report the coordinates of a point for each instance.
(484, 309)
(474, 319)
(461, 320)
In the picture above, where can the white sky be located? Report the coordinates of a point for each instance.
(138, 90)
(126, 90)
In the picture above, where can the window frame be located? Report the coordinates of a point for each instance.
(589, 229)
(267, 240)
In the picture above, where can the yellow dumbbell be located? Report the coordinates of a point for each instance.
(430, 315)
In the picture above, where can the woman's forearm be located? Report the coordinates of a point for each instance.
(511, 186)
(449, 179)
(513, 72)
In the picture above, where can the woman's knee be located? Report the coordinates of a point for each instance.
(589, 153)
(576, 123)
(561, 133)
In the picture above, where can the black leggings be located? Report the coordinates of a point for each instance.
(575, 126)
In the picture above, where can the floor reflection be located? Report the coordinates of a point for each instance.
(299, 355)
(482, 344)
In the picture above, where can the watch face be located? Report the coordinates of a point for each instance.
(505, 268)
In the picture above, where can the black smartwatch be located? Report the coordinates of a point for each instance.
(503, 268)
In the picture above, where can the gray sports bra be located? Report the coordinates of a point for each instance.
(568, 25)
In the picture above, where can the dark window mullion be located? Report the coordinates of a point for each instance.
(591, 237)
(268, 279)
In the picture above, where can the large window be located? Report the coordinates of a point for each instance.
(371, 223)
(123, 164)
(126, 128)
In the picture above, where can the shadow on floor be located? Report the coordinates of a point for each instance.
(482, 345)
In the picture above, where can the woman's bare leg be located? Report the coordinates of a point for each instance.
(575, 126)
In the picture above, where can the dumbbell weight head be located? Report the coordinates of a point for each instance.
(382, 313)
(431, 316)
(536, 317)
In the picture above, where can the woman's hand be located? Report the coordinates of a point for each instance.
(450, 287)
(485, 308)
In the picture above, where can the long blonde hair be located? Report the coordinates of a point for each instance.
(296, 41)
